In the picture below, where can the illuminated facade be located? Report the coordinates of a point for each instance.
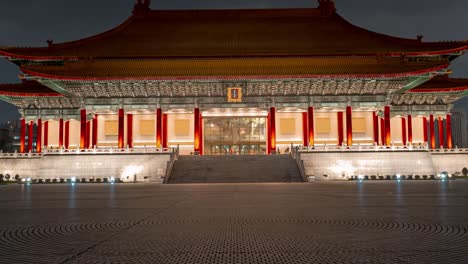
(236, 82)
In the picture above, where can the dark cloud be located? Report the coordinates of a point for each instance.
(32, 22)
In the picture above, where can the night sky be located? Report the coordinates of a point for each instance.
(32, 22)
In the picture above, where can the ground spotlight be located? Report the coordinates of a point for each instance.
(360, 177)
(73, 179)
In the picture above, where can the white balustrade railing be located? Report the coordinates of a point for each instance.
(322, 148)
(367, 148)
(20, 155)
(96, 151)
(450, 151)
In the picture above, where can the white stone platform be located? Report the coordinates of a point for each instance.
(341, 164)
(151, 165)
(126, 165)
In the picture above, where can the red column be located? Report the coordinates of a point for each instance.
(310, 112)
(403, 131)
(375, 120)
(88, 134)
(432, 131)
(305, 129)
(340, 128)
(349, 126)
(441, 132)
(165, 139)
(130, 130)
(273, 128)
(95, 131)
(61, 133)
(268, 134)
(448, 127)
(382, 131)
(67, 134)
(201, 135)
(23, 136)
(39, 136)
(121, 129)
(196, 116)
(30, 136)
(425, 129)
(158, 127)
(388, 136)
(410, 129)
(46, 134)
(83, 129)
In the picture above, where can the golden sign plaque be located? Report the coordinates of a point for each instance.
(235, 95)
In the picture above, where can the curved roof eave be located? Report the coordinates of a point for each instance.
(78, 49)
(233, 77)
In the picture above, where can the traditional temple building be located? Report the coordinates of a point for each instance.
(235, 82)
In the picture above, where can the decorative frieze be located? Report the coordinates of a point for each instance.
(424, 99)
(219, 88)
(329, 94)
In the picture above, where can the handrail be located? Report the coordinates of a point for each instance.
(95, 151)
(20, 155)
(449, 151)
(296, 155)
(333, 148)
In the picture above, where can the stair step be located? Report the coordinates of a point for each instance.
(235, 169)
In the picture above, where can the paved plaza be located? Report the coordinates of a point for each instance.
(325, 222)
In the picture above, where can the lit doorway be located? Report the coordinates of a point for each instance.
(235, 135)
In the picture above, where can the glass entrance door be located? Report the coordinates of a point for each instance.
(234, 135)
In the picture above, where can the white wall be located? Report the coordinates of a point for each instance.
(53, 135)
(103, 140)
(284, 141)
(366, 138)
(75, 133)
(337, 164)
(418, 130)
(88, 165)
(330, 138)
(142, 140)
(450, 163)
(185, 142)
(396, 131)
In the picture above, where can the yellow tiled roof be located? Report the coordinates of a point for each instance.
(330, 66)
(26, 88)
(442, 84)
(226, 33)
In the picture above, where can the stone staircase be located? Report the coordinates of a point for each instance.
(235, 169)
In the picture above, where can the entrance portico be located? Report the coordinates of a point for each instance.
(238, 131)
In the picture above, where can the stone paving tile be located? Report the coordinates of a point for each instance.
(337, 222)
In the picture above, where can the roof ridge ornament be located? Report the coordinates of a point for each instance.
(327, 7)
(141, 8)
(419, 38)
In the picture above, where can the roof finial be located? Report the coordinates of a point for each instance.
(327, 7)
(141, 8)
(419, 38)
